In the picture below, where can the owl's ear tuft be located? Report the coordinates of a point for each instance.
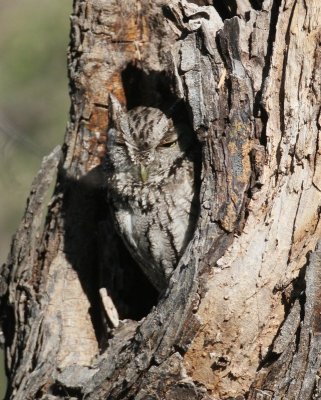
(115, 108)
(117, 114)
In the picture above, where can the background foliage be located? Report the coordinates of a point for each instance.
(34, 103)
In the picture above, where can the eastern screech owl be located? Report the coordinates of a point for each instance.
(152, 189)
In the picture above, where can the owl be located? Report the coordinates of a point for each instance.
(152, 187)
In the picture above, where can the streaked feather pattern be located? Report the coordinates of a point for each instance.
(152, 190)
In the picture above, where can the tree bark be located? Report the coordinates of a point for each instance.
(240, 318)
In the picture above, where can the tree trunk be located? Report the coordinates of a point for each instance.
(241, 315)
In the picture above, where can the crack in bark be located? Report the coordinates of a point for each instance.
(282, 95)
(294, 228)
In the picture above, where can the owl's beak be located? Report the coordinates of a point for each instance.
(143, 173)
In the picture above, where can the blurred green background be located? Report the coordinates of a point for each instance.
(34, 103)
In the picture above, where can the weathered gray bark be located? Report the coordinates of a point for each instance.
(241, 316)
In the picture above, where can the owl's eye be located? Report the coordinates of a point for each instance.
(120, 143)
(168, 144)
(115, 137)
(170, 139)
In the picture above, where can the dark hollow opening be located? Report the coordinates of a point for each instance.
(228, 8)
(97, 254)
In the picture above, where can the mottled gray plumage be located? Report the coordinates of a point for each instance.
(150, 180)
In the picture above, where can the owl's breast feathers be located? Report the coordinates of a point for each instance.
(156, 221)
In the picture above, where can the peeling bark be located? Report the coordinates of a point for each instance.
(241, 316)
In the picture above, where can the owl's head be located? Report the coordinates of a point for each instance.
(145, 144)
